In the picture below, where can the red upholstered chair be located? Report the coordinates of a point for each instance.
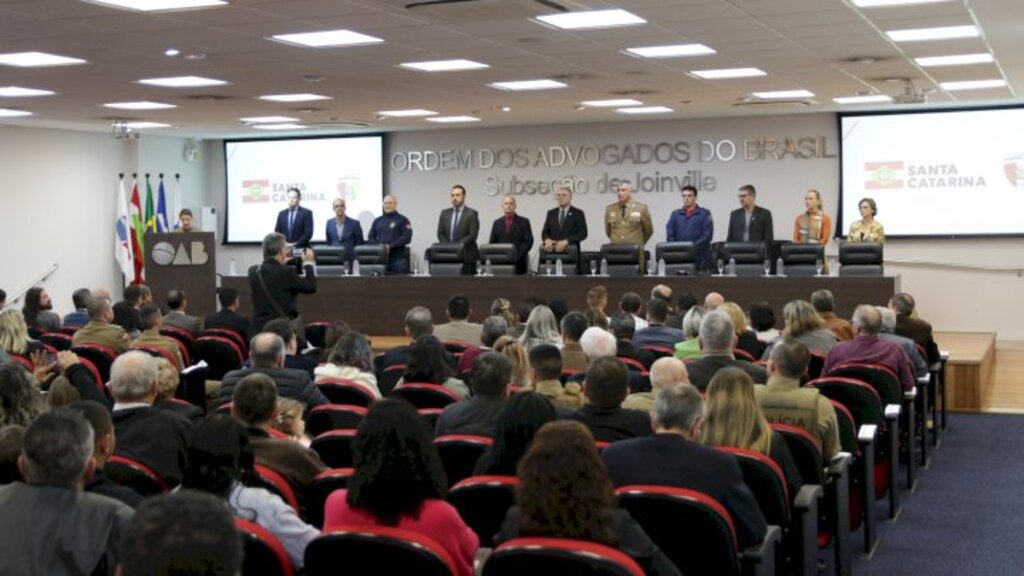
(135, 475)
(221, 354)
(273, 481)
(345, 391)
(482, 502)
(385, 550)
(659, 351)
(230, 335)
(178, 334)
(742, 354)
(24, 361)
(158, 352)
(334, 417)
(101, 357)
(425, 395)
(315, 495)
(316, 333)
(459, 453)
(58, 340)
(632, 364)
(456, 347)
(430, 415)
(264, 554)
(558, 556)
(335, 447)
(388, 378)
(816, 364)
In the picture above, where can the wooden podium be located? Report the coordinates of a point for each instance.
(187, 261)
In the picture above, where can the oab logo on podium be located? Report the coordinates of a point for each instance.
(165, 254)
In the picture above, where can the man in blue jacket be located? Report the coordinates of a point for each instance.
(343, 230)
(692, 223)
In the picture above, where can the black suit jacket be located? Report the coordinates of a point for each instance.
(574, 229)
(520, 234)
(157, 438)
(761, 229)
(921, 333)
(302, 228)
(127, 317)
(229, 320)
(466, 234)
(702, 370)
(613, 424)
(283, 286)
(291, 383)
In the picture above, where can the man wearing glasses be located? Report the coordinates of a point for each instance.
(750, 222)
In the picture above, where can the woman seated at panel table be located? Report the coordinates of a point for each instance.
(867, 229)
(813, 226)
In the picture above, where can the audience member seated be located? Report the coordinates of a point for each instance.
(157, 438)
(38, 311)
(494, 327)
(804, 324)
(559, 308)
(713, 300)
(183, 532)
(100, 329)
(824, 304)
(573, 326)
(733, 417)
(908, 345)
(631, 303)
(910, 325)
(746, 339)
(99, 419)
(541, 328)
(762, 320)
(428, 364)
(228, 318)
(606, 386)
(784, 401)
(690, 346)
(596, 318)
(663, 293)
(351, 358)
(167, 381)
(623, 328)
(150, 321)
(126, 312)
(665, 373)
(14, 337)
(717, 338)
(564, 492)
(254, 404)
(80, 298)
(68, 380)
(867, 347)
(546, 363)
(290, 420)
(520, 418)
(597, 297)
(292, 359)
(522, 372)
(266, 353)
(49, 524)
(502, 307)
(674, 456)
(10, 449)
(684, 303)
(418, 322)
(177, 304)
(490, 376)
(458, 327)
(220, 462)
(20, 399)
(399, 482)
(656, 333)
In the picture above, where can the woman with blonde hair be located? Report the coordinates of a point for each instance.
(541, 328)
(746, 339)
(503, 308)
(167, 380)
(522, 373)
(690, 347)
(805, 325)
(289, 421)
(14, 338)
(813, 226)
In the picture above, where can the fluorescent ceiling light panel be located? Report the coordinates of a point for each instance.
(327, 39)
(293, 97)
(37, 59)
(884, 3)
(614, 103)
(182, 82)
(958, 60)
(144, 125)
(411, 113)
(18, 92)
(591, 19)
(728, 73)
(522, 85)
(444, 65)
(8, 113)
(284, 126)
(158, 5)
(782, 94)
(671, 51)
(269, 119)
(645, 110)
(140, 105)
(972, 85)
(941, 33)
(452, 119)
(869, 99)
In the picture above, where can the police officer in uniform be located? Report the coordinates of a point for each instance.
(628, 221)
(394, 231)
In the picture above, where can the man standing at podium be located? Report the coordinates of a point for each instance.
(460, 224)
(295, 222)
(628, 221)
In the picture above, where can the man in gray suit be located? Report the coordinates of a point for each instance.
(460, 224)
(177, 301)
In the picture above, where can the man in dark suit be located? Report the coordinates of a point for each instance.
(228, 317)
(565, 225)
(606, 386)
(513, 229)
(749, 222)
(674, 456)
(656, 333)
(418, 322)
(344, 231)
(267, 357)
(623, 327)
(275, 285)
(126, 312)
(717, 339)
(460, 224)
(910, 326)
(295, 222)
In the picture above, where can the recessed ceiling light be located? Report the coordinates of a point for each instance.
(940, 33)
(444, 65)
(144, 125)
(269, 119)
(728, 73)
(284, 126)
(958, 60)
(182, 82)
(8, 113)
(158, 5)
(645, 110)
(327, 39)
(883, 3)
(452, 119)
(972, 84)
(293, 97)
(528, 85)
(18, 92)
(867, 99)
(34, 59)
(611, 103)
(782, 94)
(591, 19)
(670, 51)
(410, 113)
(140, 105)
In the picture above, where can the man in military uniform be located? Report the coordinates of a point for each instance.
(100, 329)
(628, 221)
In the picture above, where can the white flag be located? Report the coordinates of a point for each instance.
(174, 208)
(122, 235)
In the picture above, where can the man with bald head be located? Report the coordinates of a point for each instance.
(101, 329)
(665, 373)
(513, 229)
(343, 230)
(713, 300)
(867, 347)
(393, 230)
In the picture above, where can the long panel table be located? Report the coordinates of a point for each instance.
(377, 305)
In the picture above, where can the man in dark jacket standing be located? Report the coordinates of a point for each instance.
(275, 285)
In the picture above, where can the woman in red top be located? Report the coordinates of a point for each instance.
(399, 482)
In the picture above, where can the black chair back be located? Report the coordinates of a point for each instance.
(445, 259)
(263, 552)
(570, 260)
(482, 502)
(387, 550)
(326, 417)
(330, 260)
(680, 258)
(459, 453)
(316, 493)
(558, 556)
(622, 259)
(372, 258)
(861, 259)
(335, 447)
(802, 259)
(749, 256)
(502, 257)
(221, 354)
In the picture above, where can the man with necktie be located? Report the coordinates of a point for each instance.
(565, 225)
(295, 222)
(460, 224)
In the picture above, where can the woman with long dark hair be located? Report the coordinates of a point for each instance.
(351, 358)
(428, 363)
(518, 422)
